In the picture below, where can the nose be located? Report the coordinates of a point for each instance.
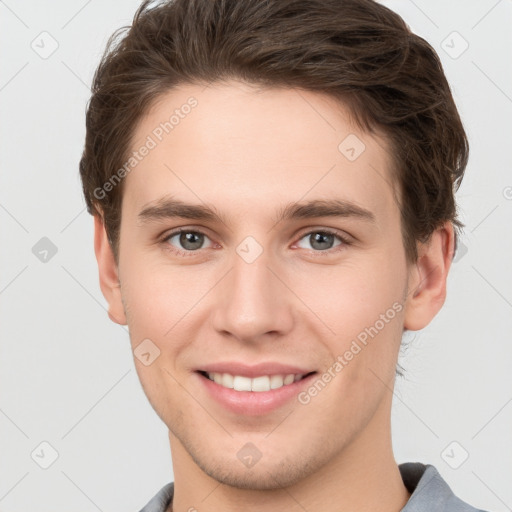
(254, 302)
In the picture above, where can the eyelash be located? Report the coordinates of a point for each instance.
(179, 252)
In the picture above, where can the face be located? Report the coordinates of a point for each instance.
(260, 238)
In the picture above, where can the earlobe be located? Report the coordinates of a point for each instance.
(427, 279)
(108, 273)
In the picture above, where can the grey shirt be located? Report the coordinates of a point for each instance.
(429, 492)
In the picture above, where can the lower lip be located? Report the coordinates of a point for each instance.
(254, 403)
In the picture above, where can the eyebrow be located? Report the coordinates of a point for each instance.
(169, 208)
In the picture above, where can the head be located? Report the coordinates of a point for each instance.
(248, 110)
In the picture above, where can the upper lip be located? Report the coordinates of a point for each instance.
(256, 370)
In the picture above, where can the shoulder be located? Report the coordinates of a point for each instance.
(161, 500)
(429, 491)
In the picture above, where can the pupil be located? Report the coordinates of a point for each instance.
(320, 238)
(188, 238)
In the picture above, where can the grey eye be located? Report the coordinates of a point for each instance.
(187, 240)
(321, 240)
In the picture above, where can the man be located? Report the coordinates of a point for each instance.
(272, 184)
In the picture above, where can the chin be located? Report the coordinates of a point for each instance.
(261, 477)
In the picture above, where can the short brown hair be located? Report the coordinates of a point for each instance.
(356, 51)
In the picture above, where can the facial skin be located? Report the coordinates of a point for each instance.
(248, 154)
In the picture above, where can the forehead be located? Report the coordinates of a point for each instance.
(244, 148)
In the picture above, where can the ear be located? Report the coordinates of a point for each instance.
(427, 278)
(108, 271)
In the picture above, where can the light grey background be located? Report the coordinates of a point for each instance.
(67, 375)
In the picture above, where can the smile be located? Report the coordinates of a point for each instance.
(255, 395)
(258, 384)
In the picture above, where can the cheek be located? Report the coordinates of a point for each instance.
(156, 306)
(360, 306)
(155, 293)
(350, 296)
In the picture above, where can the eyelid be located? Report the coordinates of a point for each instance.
(169, 234)
(342, 235)
(186, 229)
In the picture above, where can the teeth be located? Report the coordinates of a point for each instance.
(276, 381)
(227, 380)
(289, 379)
(263, 383)
(242, 383)
(260, 384)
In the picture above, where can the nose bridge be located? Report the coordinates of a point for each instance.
(252, 300)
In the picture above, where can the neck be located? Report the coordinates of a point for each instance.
(363, 476)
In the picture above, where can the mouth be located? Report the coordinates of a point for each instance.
(258, 384)
(253, 396)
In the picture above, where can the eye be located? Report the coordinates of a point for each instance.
(188, 241)
(322, 240)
